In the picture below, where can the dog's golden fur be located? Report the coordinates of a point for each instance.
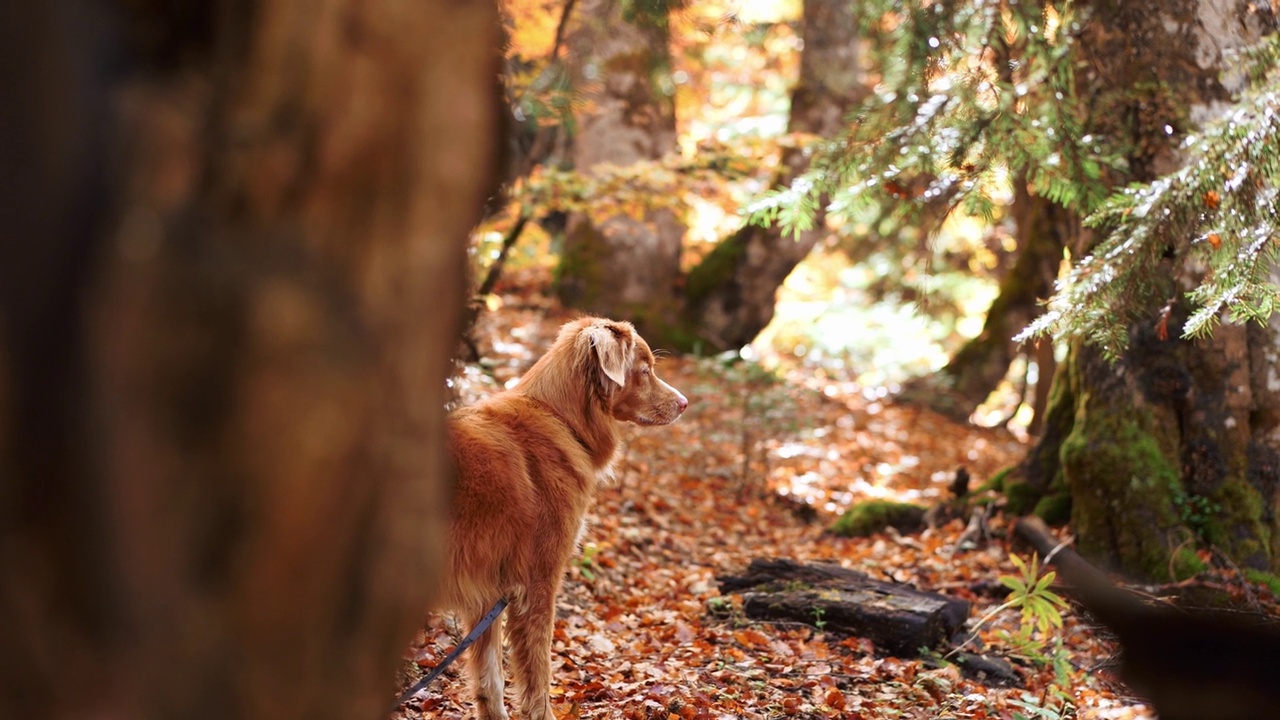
(529, 460)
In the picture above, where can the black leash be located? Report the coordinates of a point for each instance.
(471, 637)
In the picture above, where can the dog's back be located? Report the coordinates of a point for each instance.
(524, 484)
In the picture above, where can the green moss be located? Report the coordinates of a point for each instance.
(1122, 488)
(1054, 509)
(1043, 468)
(996, 482)
(1236, 524)
(873, 516)
(716, 268)
(579, 276)
(1022, 497)
(1187, 564)
(1270, 580)
(1123, 462)
(680, 334)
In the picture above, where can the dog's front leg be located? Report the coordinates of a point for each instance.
(486, 673)
(529, 631)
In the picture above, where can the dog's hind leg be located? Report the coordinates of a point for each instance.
(529, 631)
(485, 665)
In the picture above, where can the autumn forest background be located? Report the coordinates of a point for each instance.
(889, 243)
(972, 301)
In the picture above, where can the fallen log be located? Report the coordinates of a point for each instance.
(897, 618)
(1192, 664)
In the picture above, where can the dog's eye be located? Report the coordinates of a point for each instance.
(645, 370)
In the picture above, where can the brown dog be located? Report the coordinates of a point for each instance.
(529, 460)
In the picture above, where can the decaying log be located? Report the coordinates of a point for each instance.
(1192, 664)
(899, 619)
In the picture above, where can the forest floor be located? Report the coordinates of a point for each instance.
(759, 467)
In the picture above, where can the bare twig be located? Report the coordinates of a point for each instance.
(491, 280)
(561, 28)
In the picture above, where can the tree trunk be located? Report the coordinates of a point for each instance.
(731, 294)
(229, 286)
(622, 266)
(1175, 443)
(1041, 228)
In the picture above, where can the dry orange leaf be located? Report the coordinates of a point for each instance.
(834, 699)
(751, 638)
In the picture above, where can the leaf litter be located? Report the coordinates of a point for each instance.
(758, 467)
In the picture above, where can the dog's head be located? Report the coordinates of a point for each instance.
(621, 362)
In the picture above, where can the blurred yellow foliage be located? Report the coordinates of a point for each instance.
(531, 25)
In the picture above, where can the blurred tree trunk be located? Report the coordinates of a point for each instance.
(622, 266)
(730, 295)
(230, 280)
(1177, 442)
(1041, 228)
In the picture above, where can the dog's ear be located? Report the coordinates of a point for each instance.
(613, 345)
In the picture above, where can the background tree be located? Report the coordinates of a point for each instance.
(1169, 446)
(621, 264)
(1162, 435)
(1041, 229)
(971, 95)
(730, 296)
(229, 284)
(622, 248)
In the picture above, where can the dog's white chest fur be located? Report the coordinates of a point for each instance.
(583, 526)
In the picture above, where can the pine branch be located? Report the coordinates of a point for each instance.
(1219, 211)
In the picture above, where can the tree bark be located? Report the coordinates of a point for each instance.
(622, 266)
(1174, 444)
(731, 294)
(630, 267)
(230, 287)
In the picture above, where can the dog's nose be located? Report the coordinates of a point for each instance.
(681, 401)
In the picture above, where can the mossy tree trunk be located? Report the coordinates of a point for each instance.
(1041, 229)
(1175, 445)
(1163, 452)
(230, 283)
(730, 296)
(629, 267)
(622, 266)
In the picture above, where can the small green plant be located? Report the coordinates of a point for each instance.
(587, 562)
(720, 606)
(1196, 512)
(1041, 609)
(1054, 704)
(759, 406)
(818, 622)
(1040, 606)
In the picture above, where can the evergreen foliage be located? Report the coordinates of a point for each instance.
(975, 94)
(1220, 211)
(971, 92)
